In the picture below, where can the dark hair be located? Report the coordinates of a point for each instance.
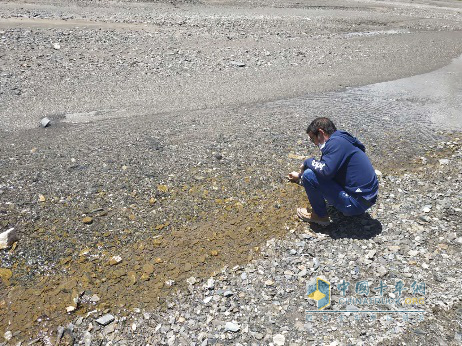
(322, 123)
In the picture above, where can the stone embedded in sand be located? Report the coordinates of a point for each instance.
(148, 269)
(132, 217)
(192, 280)
(115, 260)
(162, 188)
(5, 274)
(152, 201)
(87, 220)
(71, 308)
(131, 276)
(7, 238)
(8, 335)
(214, 253)
(94, 298)
(145, 277)
(158, 260)
(41, 198)
(187, 267)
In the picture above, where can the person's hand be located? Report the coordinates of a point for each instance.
(294, 177)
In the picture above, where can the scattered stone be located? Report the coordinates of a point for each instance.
(232, 327)
(237, 63)
(444, 161)
(105, 320)
(8, 335)
(370, 254)
(191, 281)
(94, 298)
(5, 274)
(45, 122)
(115, 260)
(87, 338)
(87, 220)
(70, 309)
(228, 293)
(210, 283)
(279, 339)
(41, 198)
(382, 271)
(56, 46)
(8, 238)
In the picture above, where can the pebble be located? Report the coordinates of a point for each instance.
(105, 320)
(45, 122)
(94, 298)
(228, 293)
(444, 161)
(115, 260)
(279, 339)
(232, 327)
(7, 238)
(237, 63)
(87, 220)
(8, 335)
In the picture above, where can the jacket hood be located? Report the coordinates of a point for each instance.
(349, 138)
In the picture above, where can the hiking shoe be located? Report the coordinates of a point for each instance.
(303, 214)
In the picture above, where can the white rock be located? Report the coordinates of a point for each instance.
(56, 46)
(444, 161)
(210, 283)
(45, 122)
(105, 320)
(378, 173)
(94, 298)
(8, 335)
(87, 338)
(371, 254)
(70, 308)
(279, 339)
(134, 327)
(427, 208)
(192, 280)
(232, 327)
(7, 238)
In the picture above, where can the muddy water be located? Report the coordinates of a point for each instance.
(397, 120)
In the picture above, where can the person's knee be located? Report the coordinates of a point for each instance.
(308, 176)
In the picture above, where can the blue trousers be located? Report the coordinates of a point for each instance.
(319, 190)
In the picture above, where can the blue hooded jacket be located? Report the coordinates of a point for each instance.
(344, 160)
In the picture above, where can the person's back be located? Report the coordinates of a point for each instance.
(352, 168)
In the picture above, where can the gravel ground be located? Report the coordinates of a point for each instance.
(173, 126)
